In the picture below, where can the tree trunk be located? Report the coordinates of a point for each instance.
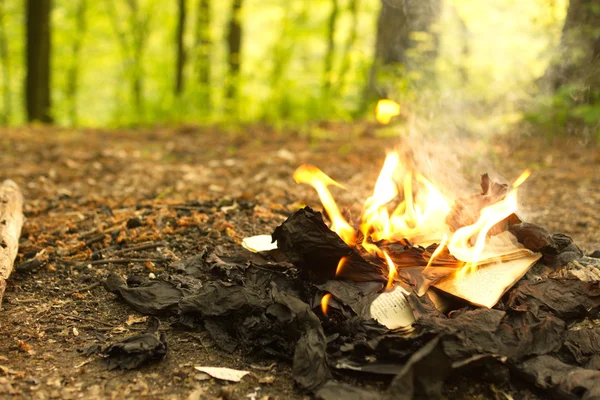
(347, 57)
(180, 59)
(281, 55)
(397, 22)
(329, 54)
(138, 26)
(37, 81)
(234, 42)
(203, 46)
(579, 60)
(4, 59)
(73, 73)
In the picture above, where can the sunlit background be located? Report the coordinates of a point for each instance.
(491, 52)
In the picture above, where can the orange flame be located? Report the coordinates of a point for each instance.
(419, 217)
(325, 303)
(459, 244)
(392, 271)
(386, 109)
(313, 176)
(437, 251)
(341, 264)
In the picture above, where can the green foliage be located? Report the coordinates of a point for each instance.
(572, 107)
(490, 52)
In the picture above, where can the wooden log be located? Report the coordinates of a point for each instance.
(11, 222)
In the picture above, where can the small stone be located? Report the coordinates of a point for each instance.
(134, 223)
(201, 377)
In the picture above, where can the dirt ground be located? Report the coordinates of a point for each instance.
(146, 198)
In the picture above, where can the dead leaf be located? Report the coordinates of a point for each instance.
(269, 379)
(134, 319)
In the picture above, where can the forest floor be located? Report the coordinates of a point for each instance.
(173, 192)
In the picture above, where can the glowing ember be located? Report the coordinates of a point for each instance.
(325, 303)
(386, 109)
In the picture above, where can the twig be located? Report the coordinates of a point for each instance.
(95, 239)
(91, 320)
(108, 229)
(145, 246)
(85, 289)
(125, 261)
(89, 360)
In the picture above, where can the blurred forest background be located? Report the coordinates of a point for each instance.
(468, 65)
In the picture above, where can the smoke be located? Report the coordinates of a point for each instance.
(489, 58)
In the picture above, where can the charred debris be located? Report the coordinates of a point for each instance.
(544, 331)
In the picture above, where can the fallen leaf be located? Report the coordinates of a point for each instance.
(134, 319)
(8, 371)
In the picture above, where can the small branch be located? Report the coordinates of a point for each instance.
(144, 246)
(84, 289)
(91, 320)
(125, 261)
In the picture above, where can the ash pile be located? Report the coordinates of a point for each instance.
(413, 330)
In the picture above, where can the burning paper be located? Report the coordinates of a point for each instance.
(487, 284)
(405, 210)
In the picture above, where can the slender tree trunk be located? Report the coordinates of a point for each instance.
(203, 46)
(37, 81)
(329, 54)
(347, 57)
(132, 44)
(579, 59)
(234, 43)
(465, 51)
(73, 73)
(138, 34)
(396, 23)
(180, 60)
(281, 53)
(5, 60)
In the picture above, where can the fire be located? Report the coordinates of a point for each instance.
(320, 181)
(437, 251)
(459, 244)
(392, 271)
(386, 109)
(340, 265)
(419, 215)
(325, 303)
